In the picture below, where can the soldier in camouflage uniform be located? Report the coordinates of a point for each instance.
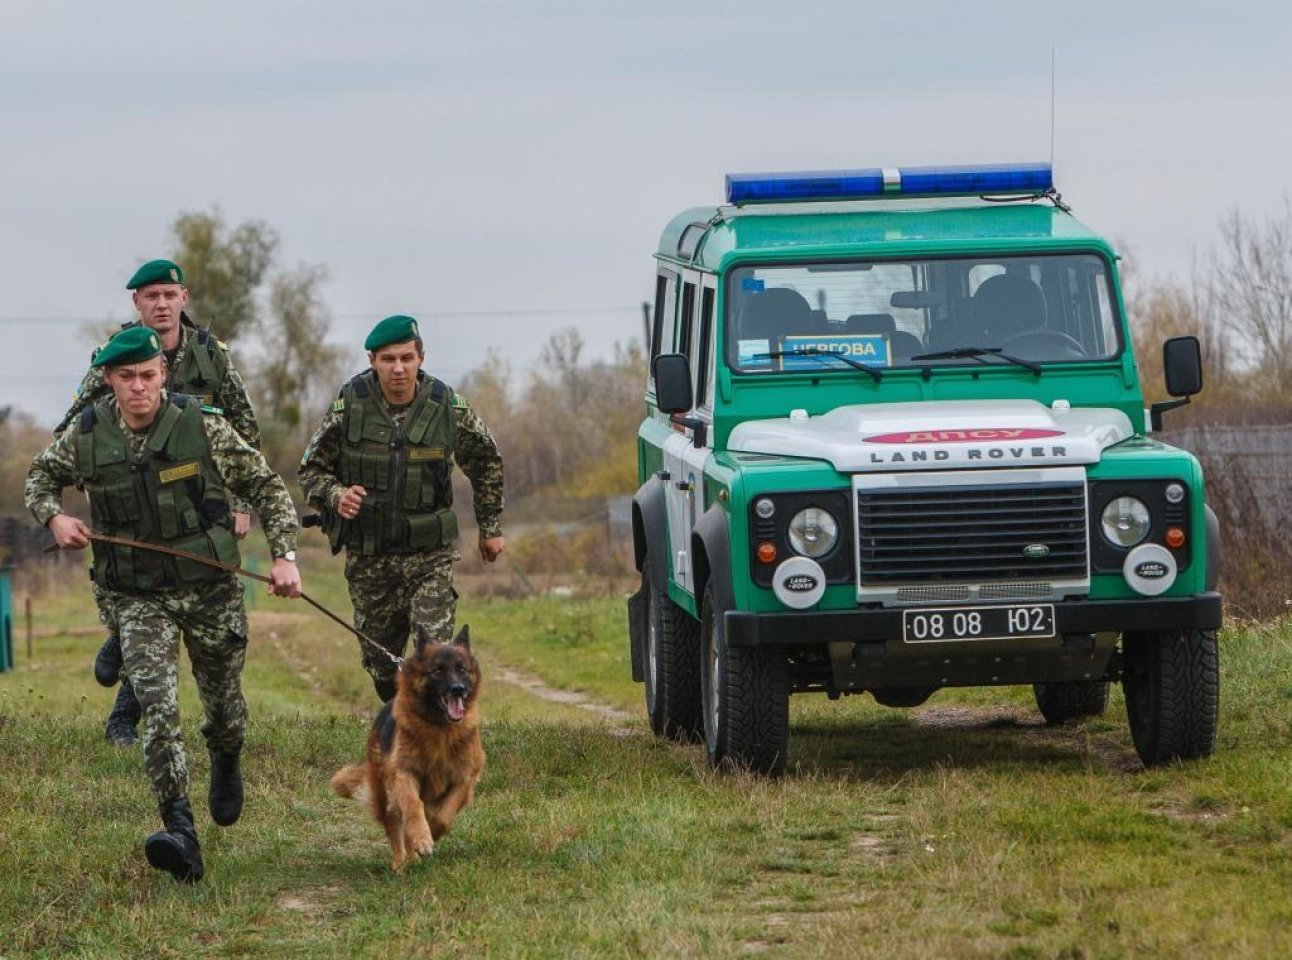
(159, 468)
(379, 470)
(198, 365)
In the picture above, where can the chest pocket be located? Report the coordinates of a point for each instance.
(178, 490)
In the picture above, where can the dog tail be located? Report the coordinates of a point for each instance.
(351, 781)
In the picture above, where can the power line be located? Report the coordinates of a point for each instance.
(420, 314)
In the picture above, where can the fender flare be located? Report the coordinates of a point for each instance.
(711, 557)
(1213, 549)
(650, 531)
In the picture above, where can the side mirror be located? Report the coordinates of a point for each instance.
(1182, 364)
(672, 373)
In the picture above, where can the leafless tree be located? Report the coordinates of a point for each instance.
(1251, 287)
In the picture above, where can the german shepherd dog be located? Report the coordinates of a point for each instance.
(424, 752)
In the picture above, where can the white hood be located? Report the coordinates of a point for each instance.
(941, 435)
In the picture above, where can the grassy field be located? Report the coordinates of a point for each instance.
(961, 829)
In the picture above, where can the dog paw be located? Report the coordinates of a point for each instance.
(423, 851)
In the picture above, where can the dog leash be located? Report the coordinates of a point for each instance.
(240, 571)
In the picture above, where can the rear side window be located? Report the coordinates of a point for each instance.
(665, 311)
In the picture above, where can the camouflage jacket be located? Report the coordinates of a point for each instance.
(476, 453)
(242, 467)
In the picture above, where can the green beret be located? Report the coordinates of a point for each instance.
(131, 345)
(396, 329)
(156, 271)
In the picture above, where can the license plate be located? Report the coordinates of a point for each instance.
(947, 624)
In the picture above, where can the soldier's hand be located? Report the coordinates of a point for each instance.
(490, 548)
(69, 532)
(241, 524)
(351, 501)
(284, 578)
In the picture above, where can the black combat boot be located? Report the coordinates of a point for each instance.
(225, 797)
(175, 849)
(124, 717)
(107, 662)
(385, 688)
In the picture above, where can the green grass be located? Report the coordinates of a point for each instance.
(963, 829)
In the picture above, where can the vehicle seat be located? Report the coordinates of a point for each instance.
(775, 313)
(1005, 306)
(870, 323)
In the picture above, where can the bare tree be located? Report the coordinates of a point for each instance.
(297, 371)
(1251, 284)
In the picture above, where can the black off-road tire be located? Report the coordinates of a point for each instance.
(672, 666)
(1063, 701)
(1171, 679)
(746, 694)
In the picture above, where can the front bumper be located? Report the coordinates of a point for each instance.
(795, 628)
(866, 650)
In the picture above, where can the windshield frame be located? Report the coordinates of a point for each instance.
(1104, 290)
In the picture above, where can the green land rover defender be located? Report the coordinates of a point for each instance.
(894, 441)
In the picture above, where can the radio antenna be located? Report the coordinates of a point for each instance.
(1051, 106)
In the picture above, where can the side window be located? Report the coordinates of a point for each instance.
(704, 350)
(661, 340)
(684, 327)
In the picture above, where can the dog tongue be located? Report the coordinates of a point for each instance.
(456, 707)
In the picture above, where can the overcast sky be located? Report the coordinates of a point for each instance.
(503, 169)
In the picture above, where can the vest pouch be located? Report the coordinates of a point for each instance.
(434, 485)
(218, 544)
(430, 531)
(175, 514)
(121, 503)
(374, 469)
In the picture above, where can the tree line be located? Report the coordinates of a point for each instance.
(569, 428)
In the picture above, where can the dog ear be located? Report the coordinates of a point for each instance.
(463, 639)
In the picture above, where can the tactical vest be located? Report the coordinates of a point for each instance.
(202, 368)
(170, 494)
(405, 469)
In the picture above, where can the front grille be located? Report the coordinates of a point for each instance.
(971, 534)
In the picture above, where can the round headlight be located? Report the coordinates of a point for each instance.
(1125, 521)
(813, 532)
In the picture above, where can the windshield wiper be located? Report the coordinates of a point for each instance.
(977, 353)
(800, 352)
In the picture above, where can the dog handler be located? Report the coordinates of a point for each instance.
(379, 470)
(197, 364)
(159, 468)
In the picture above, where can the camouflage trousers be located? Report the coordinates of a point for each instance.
(395, 595)
(212, 621)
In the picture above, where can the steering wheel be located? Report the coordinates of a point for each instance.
(1043, 345)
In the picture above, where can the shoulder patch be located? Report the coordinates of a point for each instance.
(338, 405)
(212, 408)
(459, 401)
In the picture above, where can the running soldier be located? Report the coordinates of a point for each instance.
(379, 470)
(159, 469)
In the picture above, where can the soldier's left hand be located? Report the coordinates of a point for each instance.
(241, 525)
(490, 548)
(284, 579)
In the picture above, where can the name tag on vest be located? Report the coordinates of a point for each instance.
(182, 472)
(426, 453)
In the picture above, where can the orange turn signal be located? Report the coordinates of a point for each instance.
(1174, 538)
(766, 552)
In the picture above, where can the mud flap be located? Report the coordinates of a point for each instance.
(637, 611)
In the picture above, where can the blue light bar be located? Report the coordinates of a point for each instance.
(881, 182)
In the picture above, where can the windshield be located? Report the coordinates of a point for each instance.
(914, 313)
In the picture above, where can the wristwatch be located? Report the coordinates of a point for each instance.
(289, 556)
